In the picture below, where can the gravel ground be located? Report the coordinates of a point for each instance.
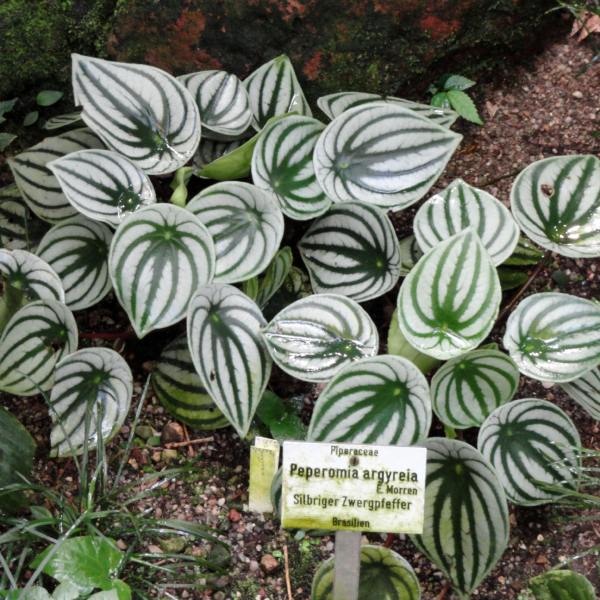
(539, 110)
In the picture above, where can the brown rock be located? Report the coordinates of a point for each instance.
(172, 433)
(269, 564)
(234, 516)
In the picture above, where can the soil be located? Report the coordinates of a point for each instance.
(545, 108)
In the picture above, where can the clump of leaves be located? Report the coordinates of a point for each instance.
(449, 92)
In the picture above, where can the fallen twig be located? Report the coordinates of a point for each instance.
(286, 562)
(444, 591)
(187, 443)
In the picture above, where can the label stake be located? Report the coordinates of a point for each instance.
(347, 565)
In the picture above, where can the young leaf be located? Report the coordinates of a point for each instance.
(459, 206)
(222, 101)
(6, 139)
(464, 106)
(556, 202)
(466, 389)
(334, 105)
(274, 277)
(449, 302)
(562, 585)
(77, 249)
(525, 254)
(273, 89)
(382, 153)
(246, 225)
(353, 251)
(6, 106)
(554, 337)
(440, 100)
(30, 275)
(315, 337)
(159, 256)
(282, 163)
(510, 278)
(93, 388)
(381, 400)
(229, 353)
(139, 111)
(410, 253)
(384, 575)
(39, 188)
(179, 389)
(532, 444)
(586, 392)
(456, 82)
(30, 118)
(37, 337)
(103, 185)
(48, 97)
(60, 121)
(466, 514)
(283, 422)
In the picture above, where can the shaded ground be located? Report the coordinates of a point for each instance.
(530, 113)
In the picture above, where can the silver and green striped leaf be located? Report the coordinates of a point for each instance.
(274, 277)
(159, 256)
(466, 514)
(534, 448)
(30, 275)
(89, 401)
(410, 253)
(77, 249)
(459, 206)
(525, 254)
(334, 105)
(228, 351)
(382, 153)
(556, 202)
(139, 111)
(282, 162)
(466, 389)
(180, 391)
(38, 185)
(379, 400)
(449, 302)
(60, 121)
(222, 101)
(554, 337)
(315, 337)
(562, 584)
(352, 250)
(384, 575)
(273, 89)
(102, 184)
(209, 151)
(246, 225)
(37, 337)
(19, 228)
(586, 392)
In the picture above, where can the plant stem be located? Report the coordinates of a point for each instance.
(450, 432)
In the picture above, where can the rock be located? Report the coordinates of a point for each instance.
(253, 566)
(144, 431)
(169, 455)
(173, 545)
(172, 433)
(234, 516)
(154, 549)
(269, 564)
(578, 95)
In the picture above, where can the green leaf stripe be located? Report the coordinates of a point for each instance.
(60, 121)
(103, 185)
(315, 337)
(222, 101)
(459, 206)
(229, 353)
(466, 389)
(556, 202)
(353, 251)
(19, 228)
(532, 444)
(37, 336)
(246, 225)
(334, 105)
(466, 514)
(282, 163)
(384, 575)
(38, 185)
(30, 275)
(159, 256)
(380, 400)
(273, 89)
(410, 253)
(77, 250)
(554, 337)
(90, 399)
(180, 391)
(449, 301)
(158, 123)
(382, 153)
(586, 392)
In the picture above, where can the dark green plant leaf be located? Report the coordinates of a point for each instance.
(6, 139)
(440, 99)
(48, 97)
(511, 278)
(464, 106)
(455, 82)
(526, 254)
(6, 106)
(562, 585)
(283, 422)
(30, 118)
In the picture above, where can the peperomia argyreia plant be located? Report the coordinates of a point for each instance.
(86, 218)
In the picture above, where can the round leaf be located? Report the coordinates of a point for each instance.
(554, 337)
(246, 225)
(381, 400)
(532, 444)
(48, 97)
(562, 585)
(352, 250)
(315, 337)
